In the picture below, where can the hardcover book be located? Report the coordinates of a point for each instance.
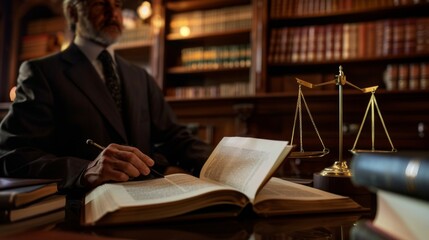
(22, 195)
(403, 173)
(237, 174)
(398, 217)
(42, 206)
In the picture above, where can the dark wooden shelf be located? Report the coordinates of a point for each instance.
(188, 70)
(360, 15)
(216, 35)
(190, 5)
(313, 93)
(367, 60)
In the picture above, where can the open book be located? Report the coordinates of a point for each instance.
(231, 179)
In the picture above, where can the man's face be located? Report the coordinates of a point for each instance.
(100, 21)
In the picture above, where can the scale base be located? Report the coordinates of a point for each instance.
(339, 168)
(337, 179)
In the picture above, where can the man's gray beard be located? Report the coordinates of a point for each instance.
(87, 31)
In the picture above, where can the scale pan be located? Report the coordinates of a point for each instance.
(311, 154)
(356, 151)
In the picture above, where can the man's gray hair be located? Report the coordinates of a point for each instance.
(70, 12)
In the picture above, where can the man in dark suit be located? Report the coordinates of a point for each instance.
(64, 99)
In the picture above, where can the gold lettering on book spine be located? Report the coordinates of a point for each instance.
(411, 172)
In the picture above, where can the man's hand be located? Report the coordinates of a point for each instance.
(117, 163)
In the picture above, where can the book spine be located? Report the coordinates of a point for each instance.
(7, 200)
(400, 173)
(4, 216)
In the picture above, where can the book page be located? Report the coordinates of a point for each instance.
(278, 188)
(110, 197)
(281, 197)
(405, 217)
(244, 163)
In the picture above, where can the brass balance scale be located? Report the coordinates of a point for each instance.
(339, 170)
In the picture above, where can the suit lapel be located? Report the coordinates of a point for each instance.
(86, 78)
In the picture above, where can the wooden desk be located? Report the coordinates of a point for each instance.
(247, 226)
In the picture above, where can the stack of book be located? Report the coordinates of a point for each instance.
(401, 182)
(28, 204)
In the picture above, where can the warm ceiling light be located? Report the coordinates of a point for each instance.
(144, 10)
(185, 31)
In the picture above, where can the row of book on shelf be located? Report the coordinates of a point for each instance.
(400, 181)
(407, 76)
(230, 56)
(290, 8)
(28, 204)
(38, 45)
(381, 38)
(42, 37)
(209, 21)
(140, 32)
(234, 89)
(396, 76)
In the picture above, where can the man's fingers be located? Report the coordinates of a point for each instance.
(131, 155)
(117, 163)
(126, 167)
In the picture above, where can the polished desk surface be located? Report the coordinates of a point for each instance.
(247, 226)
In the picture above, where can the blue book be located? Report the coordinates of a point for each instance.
(404, 173)
(14, 193)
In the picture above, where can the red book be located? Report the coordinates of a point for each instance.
(329, 42)
(320, 43)
(371, 40)
(398, 36)
(403, 76)
(303, 44)
(424, 75)
(410, 36)
(338, 41)
(284, 44)
(414, 78)
(387, 37)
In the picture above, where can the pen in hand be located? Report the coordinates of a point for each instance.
(91, 142)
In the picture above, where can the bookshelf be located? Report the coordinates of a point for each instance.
(23, 39)
(42, 37)
(4, 42)
(354, 27)
(236, 76)
(208, 49)
(377, 43)
(38, 28)
(310, 40)
(137, 41)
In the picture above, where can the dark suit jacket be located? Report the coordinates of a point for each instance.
(61, 101)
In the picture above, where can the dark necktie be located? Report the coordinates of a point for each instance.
(111, 78)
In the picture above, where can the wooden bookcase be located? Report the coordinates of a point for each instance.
(39, 29)
(208, 49)
(377, 42)
(23, 40)
(270, 111)
(255, 65)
